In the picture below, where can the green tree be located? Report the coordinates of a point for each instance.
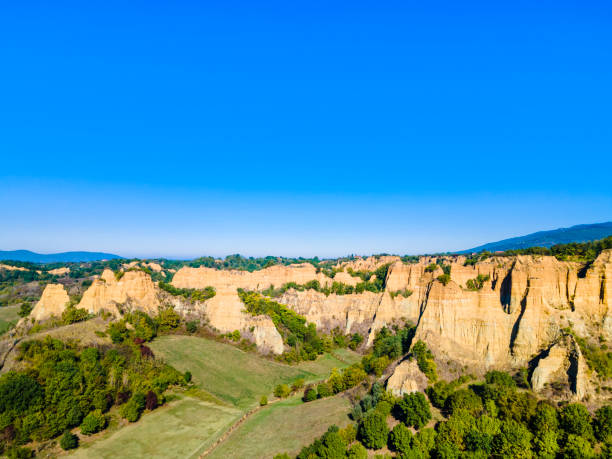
(400, 439)
(413, 410)
(310, 394)
(191, 326)
(282, 391)
(324, 390)
(94, 422)
(603, 423)
(514, 440)
(576, 420)
(357, 451)
(373, 431)
(167, 319)
(69, 441)
(463, 399)
(577, 447)
(263, 401)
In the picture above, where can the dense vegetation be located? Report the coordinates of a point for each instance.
(301, 336)
(63, 387)
(488, 419)
(584, 252)
(191, 294)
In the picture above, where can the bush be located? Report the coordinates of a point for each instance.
(151, 401)
(17, 452)
(444, 279)
(413, 410)
(191, 326)
(400, 439)
(282, 391)
(323, 390)
(373, 431)
(310, 394)
(69, 441)
(167, 319)
(263, 401)
(357, 451)
(94, 422)
(463, 399)
(134, 407)
(577, 447)
(297, 384)
(425, 360)
(72, 314)
(187, 376)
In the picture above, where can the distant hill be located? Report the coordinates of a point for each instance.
(33, 257)
(578, 233)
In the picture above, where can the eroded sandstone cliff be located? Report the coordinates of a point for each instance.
(52, 303)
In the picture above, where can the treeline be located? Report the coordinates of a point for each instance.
(188, 293)
(492, 418)
(63, 387)
(584, 252)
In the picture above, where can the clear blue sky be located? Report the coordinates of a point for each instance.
(301, 128)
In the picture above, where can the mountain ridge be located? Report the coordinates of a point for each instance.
(76, 256)
(577, 233)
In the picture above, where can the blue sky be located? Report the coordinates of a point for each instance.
(301, 128)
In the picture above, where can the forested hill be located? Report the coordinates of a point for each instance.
(578, 233)
(33, 257)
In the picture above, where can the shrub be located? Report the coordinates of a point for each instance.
(400, 439)
(94, 422)
(282, 391)
(25, 309)
(134, 407)
(17, 452)
(191, 326)
(500, 378)
(310, 394)
(357, 451)
(72, 314)
(425, 360)
(444, 279)
(323, 390)
(187, 376)
(373, 431)
(69, 441)
(263, 401)
(167, 319)
(297, 384)
(463, 399)
(151, 400)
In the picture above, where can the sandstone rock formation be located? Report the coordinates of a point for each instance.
(12, 268)
(52, 303)
(277, 275)
(134, 290)
(563, 363)
(59, 271)
(407, 378)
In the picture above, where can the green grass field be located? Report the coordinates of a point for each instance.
(285, 426)
(235, 376)
(182, 429)
(8, 317)
(235, 381)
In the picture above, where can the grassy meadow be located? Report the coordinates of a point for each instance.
(228, 383)
(284, 426)
(8, 317)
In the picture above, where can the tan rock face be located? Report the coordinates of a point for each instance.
(12, 268)
(59, 271)
(52, 302)
(226, 313)
(407, 378)
(565, 364)
(258, 280)
(135, 290)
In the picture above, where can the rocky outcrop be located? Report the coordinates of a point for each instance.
(59, 271)
(52, 303)
(407, 378)
(562, 364)
(226, 313)
(12, 268)
(133, 290)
